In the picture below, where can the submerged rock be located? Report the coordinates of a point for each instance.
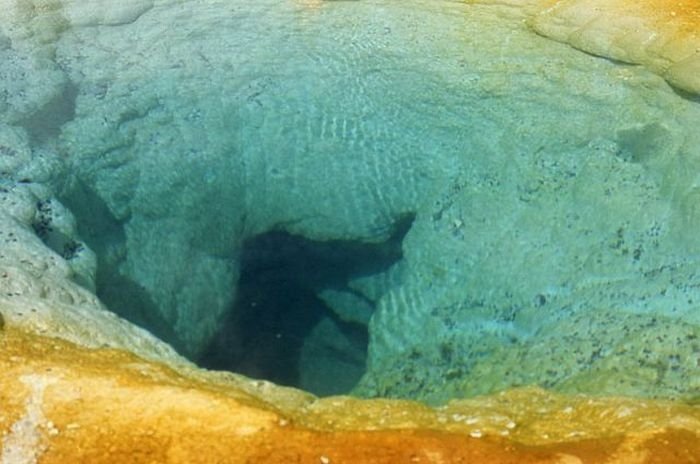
(528, 209)
(659, 34)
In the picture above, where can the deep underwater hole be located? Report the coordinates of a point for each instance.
(299, 317)
(282, 329)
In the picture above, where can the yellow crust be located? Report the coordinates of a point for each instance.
(66, 404)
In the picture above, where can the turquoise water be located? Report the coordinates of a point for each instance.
(418, 199)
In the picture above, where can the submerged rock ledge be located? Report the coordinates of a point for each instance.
(662, 35)
(64, 403)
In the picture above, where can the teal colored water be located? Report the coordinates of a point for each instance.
(417, 199)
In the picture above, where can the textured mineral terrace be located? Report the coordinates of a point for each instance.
(65, 404)
(663, 35)
(78, 384)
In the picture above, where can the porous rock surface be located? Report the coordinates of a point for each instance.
(47, 291)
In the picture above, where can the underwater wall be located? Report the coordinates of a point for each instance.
(426, 200)
(552, 192)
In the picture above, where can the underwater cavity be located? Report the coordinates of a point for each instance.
(296, 320)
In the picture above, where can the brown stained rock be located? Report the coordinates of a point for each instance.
(66, 404)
